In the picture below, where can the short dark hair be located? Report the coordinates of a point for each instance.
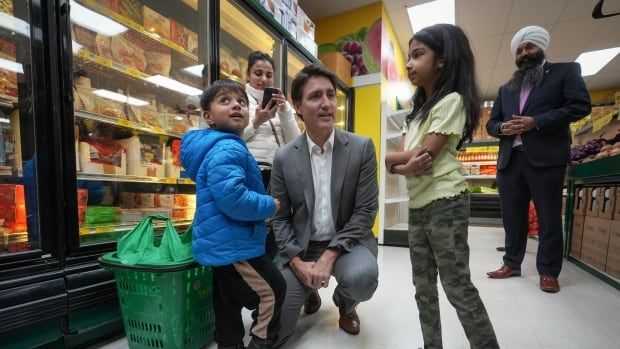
(220, 86)
(259, 56)
(309, 71)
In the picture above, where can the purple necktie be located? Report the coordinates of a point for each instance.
(525, 92)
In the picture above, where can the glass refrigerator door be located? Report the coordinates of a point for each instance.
(139, 69)
(19, 227)
(342, 115)
(241, 35)
(294, 64)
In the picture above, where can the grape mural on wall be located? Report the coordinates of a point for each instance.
(361, 48)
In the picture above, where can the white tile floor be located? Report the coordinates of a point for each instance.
(584, 314)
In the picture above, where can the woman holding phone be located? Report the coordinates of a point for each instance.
(272, 123)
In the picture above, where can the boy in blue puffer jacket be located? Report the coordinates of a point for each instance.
(229, 225)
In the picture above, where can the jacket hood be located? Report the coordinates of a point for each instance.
(197, 143)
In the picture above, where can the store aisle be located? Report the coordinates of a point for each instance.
(584, 314)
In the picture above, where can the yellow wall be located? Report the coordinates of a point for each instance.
(330, 29)
(367, 122)
(395, 86)
(603, 96)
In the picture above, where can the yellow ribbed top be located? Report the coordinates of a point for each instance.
(445, 179)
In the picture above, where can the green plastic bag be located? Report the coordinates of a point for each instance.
(141, 247)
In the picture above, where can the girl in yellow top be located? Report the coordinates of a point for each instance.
(445, 113)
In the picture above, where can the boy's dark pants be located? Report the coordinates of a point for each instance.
(253, 284)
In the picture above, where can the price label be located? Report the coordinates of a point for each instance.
(104, 229)
(174, 46)
(157, 129)
(124, 122)
(599, 123)
(84, 54)
(493, 148)
(103, 61)
(85, 231)
(170, 180)
(133, 72)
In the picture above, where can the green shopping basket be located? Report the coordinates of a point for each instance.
(165, 307)
(165, 297)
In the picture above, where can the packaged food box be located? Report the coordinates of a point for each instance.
(145, 155)
(85, 37)
(127, 200)
(81, 214)
(102, 215)
(183, 213)
(96, 160)
(158, 63)
(104, 46)
(13, 207)
(155, 23)
(147, 114)
(82, 197)
(145, 200)
(607, 202)
(87, 100)
(164, 200)
(184, 200)
(126, 52)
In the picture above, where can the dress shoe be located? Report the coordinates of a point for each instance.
(549, 284)
(312, 303)
(504, 272)
(350, 323)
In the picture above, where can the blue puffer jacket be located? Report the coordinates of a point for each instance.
(231, 208)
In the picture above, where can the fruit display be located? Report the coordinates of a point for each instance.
(464, 156)
(362, 49)
(595, 149)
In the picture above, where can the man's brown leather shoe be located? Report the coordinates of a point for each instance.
(312, 303)
(350, 323)
(504, 272)
(549, 284)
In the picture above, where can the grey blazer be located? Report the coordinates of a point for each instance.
(354, 194)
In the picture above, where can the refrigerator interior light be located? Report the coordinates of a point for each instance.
(120, 98)
(11, 65)
(90, 19)
(14, 24)
(75, 47)
(195, 70)
(5, 121)
(174, 85)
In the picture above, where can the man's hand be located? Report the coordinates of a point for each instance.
(303, 270)
(518, 125)
(524, 123)
(322, 269)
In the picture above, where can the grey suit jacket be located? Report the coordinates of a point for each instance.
(354, 194)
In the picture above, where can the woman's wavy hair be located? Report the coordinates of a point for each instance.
(457, 75)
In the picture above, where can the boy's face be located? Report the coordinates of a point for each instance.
(318, 105)
(228, 112)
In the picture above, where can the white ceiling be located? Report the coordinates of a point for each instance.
(490, 25)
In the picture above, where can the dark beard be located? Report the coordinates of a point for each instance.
(530, 72)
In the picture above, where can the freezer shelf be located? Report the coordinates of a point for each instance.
(132, 179)
(126, 123)
(108, 233)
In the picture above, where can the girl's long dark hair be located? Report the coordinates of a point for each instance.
(457, 75)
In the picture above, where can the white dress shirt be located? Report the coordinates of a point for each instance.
(323, 228)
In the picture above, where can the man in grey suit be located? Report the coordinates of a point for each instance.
(326, 182)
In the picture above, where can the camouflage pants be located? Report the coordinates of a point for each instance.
(438, 242)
